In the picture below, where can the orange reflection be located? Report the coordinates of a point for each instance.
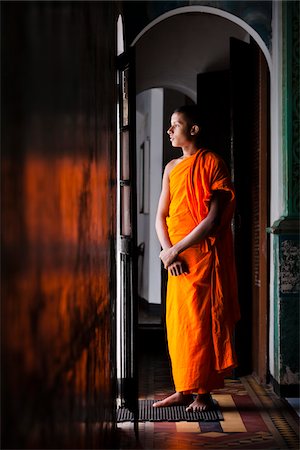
(57, 289)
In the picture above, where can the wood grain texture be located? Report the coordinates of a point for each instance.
(58, 203)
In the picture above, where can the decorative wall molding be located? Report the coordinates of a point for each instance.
(289, 266)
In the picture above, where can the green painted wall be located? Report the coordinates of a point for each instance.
(286, 249)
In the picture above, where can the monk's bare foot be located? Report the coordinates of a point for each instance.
(174, 400)
(203, 402)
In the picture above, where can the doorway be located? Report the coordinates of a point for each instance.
(182, 68)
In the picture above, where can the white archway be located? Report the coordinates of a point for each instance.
(273, 63)
(214, 11)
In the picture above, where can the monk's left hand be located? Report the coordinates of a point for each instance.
(177, 268)
(168, 256)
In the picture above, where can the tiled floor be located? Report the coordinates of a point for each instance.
(254, 417)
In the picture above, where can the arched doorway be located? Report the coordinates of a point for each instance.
(208, 63)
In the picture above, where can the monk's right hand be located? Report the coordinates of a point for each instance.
(177, 268)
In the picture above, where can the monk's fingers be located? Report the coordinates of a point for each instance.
(176, 268)
(182, 269)
(179, 268)
(172, 269)
(178, 271)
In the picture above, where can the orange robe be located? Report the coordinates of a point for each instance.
(202, 305)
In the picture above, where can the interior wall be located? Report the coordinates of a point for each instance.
(58, 220)
(200, 40)
(156, 156)
(150, 126)
(143, 125)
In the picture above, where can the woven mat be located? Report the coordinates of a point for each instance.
(168, 414)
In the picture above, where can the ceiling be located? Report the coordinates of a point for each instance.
(173, 52)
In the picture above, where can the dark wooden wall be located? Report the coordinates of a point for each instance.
(58, 202)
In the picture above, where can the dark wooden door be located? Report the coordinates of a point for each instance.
(241, 79)
(226, 131)
(126, 313)
(249, 91)
(260, 215)
(213, 98)
(235, 125)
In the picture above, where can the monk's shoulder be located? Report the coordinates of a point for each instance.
(171, 164)
(212, 159)
(210, 155)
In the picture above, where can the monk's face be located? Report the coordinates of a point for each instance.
(180, 131)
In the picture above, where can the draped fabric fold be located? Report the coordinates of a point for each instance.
(202, 305)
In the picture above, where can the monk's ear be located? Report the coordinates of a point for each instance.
(195, 130)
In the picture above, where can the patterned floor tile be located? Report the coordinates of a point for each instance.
(232, 418)
(187, 427)
(213, 434)
(254, 418)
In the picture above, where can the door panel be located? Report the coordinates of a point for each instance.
(213, 98)
(260, 203)
(127, 245)
(242, 154)
(235, 118)
(249, 88)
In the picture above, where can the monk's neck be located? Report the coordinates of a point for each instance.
(189, 151)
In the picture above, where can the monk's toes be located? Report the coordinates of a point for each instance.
(197, 408)
(157, 404)
(191, 408)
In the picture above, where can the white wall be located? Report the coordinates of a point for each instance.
(174, 51)
(149, 121)
(142, 132)
(276, 154)
(156, 157)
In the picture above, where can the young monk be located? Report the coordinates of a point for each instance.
(193, 224)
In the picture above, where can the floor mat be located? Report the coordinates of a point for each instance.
(254, 418)
(168, 414)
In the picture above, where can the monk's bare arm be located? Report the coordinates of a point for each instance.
(201, 231)
(161, 225)
(163, 211)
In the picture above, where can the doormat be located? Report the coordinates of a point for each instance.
(168, 414)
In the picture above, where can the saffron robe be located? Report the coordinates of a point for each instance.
(202, 305)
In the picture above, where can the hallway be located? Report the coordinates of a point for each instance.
(71, 75)
(254, 417)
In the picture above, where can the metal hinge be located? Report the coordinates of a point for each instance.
(126, 245)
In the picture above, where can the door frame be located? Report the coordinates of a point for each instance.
(126, 258)
(263, 359)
